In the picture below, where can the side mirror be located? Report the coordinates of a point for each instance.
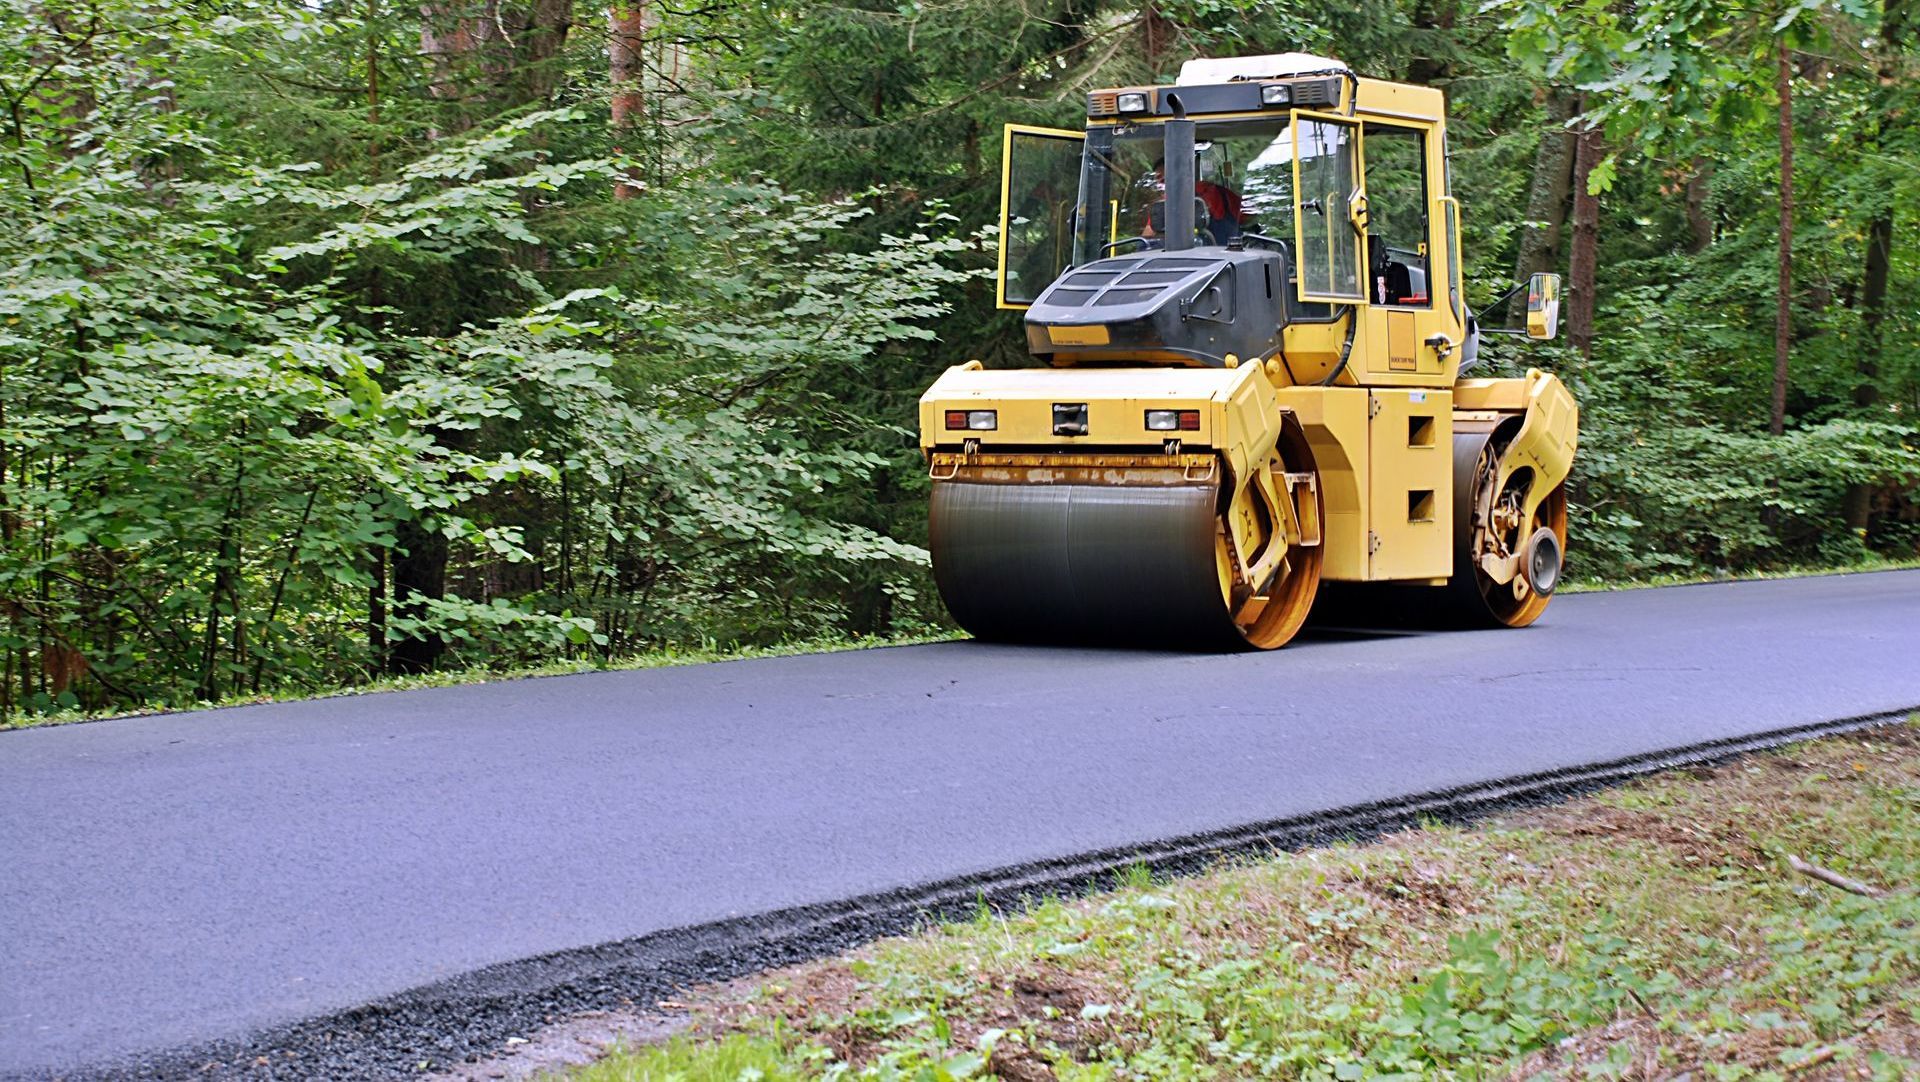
(1543, 306)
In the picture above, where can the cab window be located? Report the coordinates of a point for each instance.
(1399, 255)
(1243, 186)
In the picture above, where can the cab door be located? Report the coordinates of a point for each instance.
(1329, 207)
(1407, 296)
(1039, 186)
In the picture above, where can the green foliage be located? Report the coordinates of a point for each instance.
(327, 355)
(1674, 471)
(234, 403)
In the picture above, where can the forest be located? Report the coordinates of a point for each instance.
(344, 339)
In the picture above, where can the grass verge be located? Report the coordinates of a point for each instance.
(699, 654)
(1578, 584)
(1651, 931)
(653, 659)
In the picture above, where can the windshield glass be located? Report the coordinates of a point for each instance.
(1244, 185)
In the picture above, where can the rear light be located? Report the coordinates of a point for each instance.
(1173, 420)
(976, 420)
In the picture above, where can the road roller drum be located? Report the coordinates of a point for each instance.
(1080, 563)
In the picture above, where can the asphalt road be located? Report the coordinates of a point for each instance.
(183, 880)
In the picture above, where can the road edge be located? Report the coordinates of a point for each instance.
(647, 663)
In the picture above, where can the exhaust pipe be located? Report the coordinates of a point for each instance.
(1178, 176)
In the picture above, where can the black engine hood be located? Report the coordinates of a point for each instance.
(1194, 306)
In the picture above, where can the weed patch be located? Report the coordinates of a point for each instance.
(1638, 933)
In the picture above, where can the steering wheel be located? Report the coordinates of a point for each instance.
(1144, 242)
(1202, 220)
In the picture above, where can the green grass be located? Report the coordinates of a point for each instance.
(1639, 933)
(1584, 585)
(654, 659)
(734, 1059)
(707, 652)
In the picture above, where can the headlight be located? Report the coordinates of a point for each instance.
(974, 420)
(1276, 93)
(1173, 420)
(1132, 103)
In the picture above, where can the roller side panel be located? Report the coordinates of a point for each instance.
(1334, 420)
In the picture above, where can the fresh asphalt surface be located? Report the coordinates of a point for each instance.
(180, 880)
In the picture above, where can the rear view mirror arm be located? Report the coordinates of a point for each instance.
(1481, 315)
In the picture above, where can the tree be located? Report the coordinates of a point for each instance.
(1783, 304)
(1547, 194)
(1583, 269)
(629, 25)
(1890, 114)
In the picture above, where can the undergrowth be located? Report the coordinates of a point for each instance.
(658, 658)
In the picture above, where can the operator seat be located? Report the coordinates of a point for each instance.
(1391, 282)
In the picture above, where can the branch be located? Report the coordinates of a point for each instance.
(1832, 878)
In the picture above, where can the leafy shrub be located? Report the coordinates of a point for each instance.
(218, 465)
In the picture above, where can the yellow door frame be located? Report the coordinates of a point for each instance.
(1430, 199)
(1397, 345)
(1359, 191)
(1006, 178)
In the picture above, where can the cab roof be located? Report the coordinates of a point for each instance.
(1232, 69)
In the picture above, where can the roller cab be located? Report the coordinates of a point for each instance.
(1242, 295)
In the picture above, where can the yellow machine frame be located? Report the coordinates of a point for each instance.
(1375, 394)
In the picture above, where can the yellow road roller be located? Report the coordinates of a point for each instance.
(1244, 293)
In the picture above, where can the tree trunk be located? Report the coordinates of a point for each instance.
(461, 50)
(494, 55)
(373, 88)
(540, 44)
(446, 37)
(1873, 301)
(1158, 34)
(419, 574)
(1856, 507)
(1583, 266)
(226, 560)
(1699, 222)
(1783, 302)
(1895, 25)
(377, 608)
(1434, 22)
(79, 104)
(1546, 198)
(629, 22)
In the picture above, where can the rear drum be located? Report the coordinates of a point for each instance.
(1477, 599)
